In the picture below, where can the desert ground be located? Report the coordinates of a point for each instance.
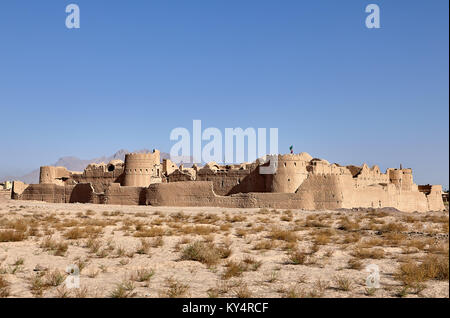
(142, 251)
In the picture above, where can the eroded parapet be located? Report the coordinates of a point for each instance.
(433, 194)
(53, 175)
(168, 167)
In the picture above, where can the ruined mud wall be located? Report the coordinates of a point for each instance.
(435, 201)
(82, 193)
(100, 177)
(200, 193)
(369, 176)
(53, 175)
(116, 194)
(388, 195)
(231, 181)
(46, 192)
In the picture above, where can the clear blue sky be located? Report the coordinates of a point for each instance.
(137, 69)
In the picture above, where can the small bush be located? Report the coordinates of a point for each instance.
(206, 253)
(297, 257)
(343, 283)
(4, 287)
(12, 236)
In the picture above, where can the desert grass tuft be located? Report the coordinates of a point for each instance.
(206, 253)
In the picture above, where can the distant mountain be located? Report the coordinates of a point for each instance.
(77, 164)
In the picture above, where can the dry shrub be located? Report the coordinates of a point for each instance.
(209, 218)
(351, 238)
(441, 248)
(348, 225)
(315, 221)
(263, 211)
(376, 213)
(355, 263)
(394, 239)
(225, 227)
(59, 248)
(144, 247)
(37, 285)
(82, 232)
(4, 287)
(371, 242)
(142, 275)
(322, 238)
(297, 257)
(287, 216)
(242, 291)
(12, 236)
(198, 229)
(234, 269)
(417, 243)
(222, 288)
(180, 216)
(123, 290)
(431, 267)
(54, 278)
(235, 218)
(175, 289)
(319, 289)
(241, 232)
(206, 253)
(250, 261)
(264, 245)
(293, 292)
(393, 227)
(93, 245)
(374, 253)
(150, 232)
(284, 235)
(343, 283)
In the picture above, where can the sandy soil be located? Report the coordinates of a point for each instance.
(139, 251)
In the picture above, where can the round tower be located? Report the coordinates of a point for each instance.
(46, 174)
(290, 174)
(395, 176)
(139, 169)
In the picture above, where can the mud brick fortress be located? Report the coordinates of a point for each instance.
(300, 182)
